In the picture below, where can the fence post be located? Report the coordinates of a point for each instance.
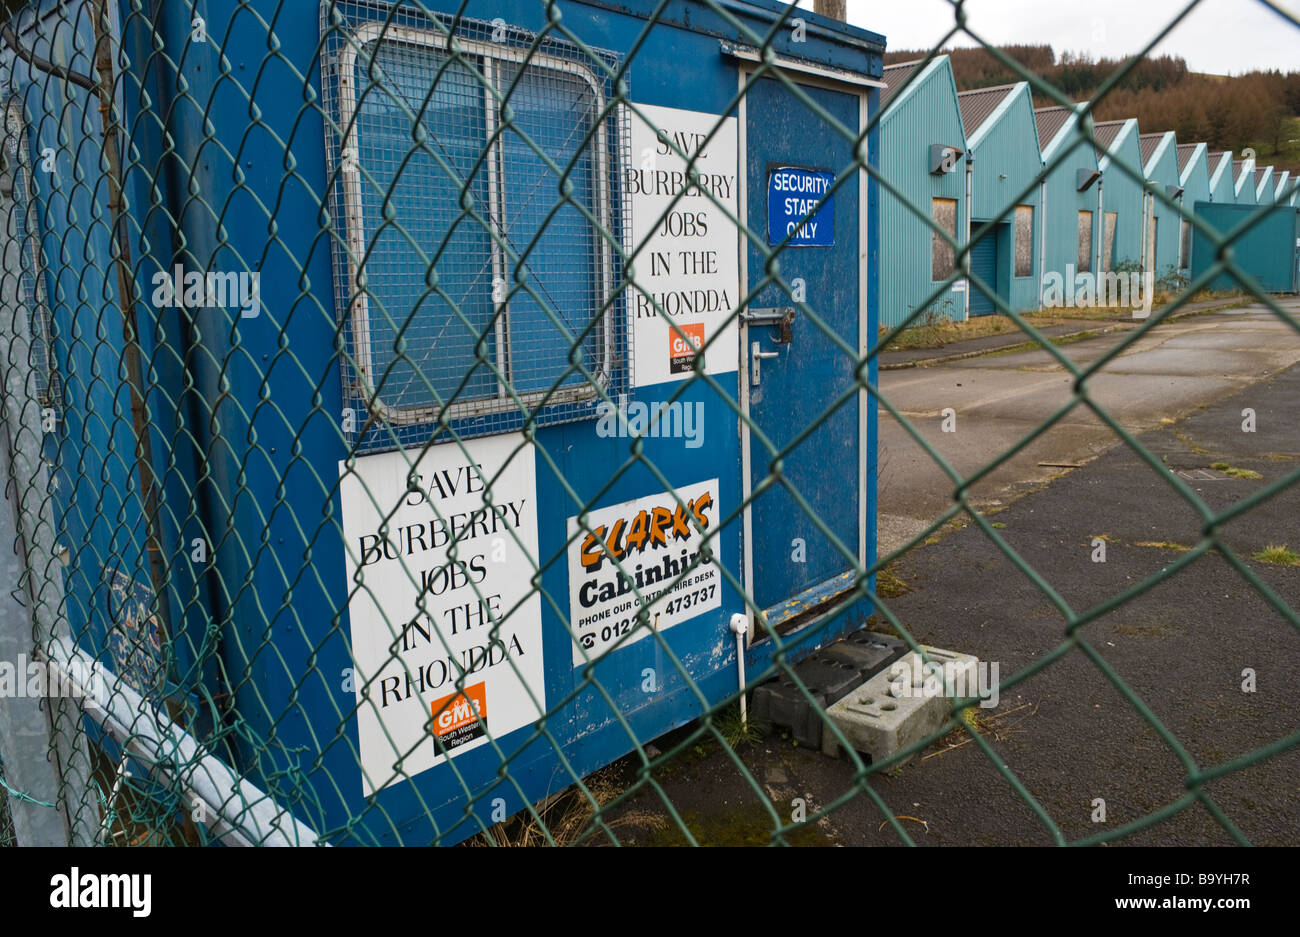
(25, 742)
(42, 742)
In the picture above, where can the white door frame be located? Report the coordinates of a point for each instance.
(815, 78)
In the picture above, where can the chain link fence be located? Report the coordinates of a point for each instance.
(341, 510)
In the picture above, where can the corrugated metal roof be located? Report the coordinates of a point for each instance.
(1185, 153)
(894, 77)
(1147, 143)
(977, 105)
(1050, 120)
(1106, 132)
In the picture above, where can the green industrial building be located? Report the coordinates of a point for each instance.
(923, 157)
(1005, 162)
(1119, 157)
(1072, 192)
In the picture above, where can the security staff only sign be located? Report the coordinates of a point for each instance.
(421, 620)
(800, 208)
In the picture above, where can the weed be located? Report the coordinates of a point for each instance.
(889, 585)
(1278, 555)
(1227, 469)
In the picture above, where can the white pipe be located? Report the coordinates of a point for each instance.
(242, 814)
(1099, 224)
(740, 627)
(970, 207)
(1042, 238)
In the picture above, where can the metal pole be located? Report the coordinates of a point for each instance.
(835, 9)
(25, 765)
(41, 739)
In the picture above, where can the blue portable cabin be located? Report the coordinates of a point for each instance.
(1072, 194)
(355, 417)
(1194, 178)
(1265, 185)
(1119, 158)
(1160, 166)
(1002, 139)
(1222, 182)
(923, 156)
(1244, 186)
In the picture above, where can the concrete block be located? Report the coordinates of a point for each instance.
(902, 704)
(828, 676)
(867, 651)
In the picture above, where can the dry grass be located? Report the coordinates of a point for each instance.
(568, 817)
(934, 331)
(1234, 472)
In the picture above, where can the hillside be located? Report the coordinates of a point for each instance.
(1258, 109)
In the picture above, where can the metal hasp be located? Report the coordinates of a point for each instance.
(780, 318)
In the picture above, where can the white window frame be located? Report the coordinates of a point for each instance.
(350, 176)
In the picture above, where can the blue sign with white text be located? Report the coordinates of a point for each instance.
(793, 200)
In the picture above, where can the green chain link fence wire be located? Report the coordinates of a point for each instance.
(92, 83)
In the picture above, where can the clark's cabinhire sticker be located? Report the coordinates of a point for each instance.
(656, 542)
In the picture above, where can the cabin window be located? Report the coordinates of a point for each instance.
(449, 206)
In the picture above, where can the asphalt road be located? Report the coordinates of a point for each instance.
(999, 400)
(1071, 734)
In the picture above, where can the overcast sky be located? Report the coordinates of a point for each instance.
(1219, 36)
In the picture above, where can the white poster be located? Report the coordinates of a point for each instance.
(656, 541)
(687, 260)
(409, 654)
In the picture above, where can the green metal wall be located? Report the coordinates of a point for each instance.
(924, 113)
(1006, 161)
(1245, 187)
(1123, 181)
(1195, 180)
(1264, 183)
(1221, 182)
(1065, 201)
(1266, 252)
(1162, 172)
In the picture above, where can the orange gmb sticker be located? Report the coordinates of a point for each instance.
(456, 718)
(681, 351)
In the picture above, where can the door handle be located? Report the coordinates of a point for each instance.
(756, 356)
